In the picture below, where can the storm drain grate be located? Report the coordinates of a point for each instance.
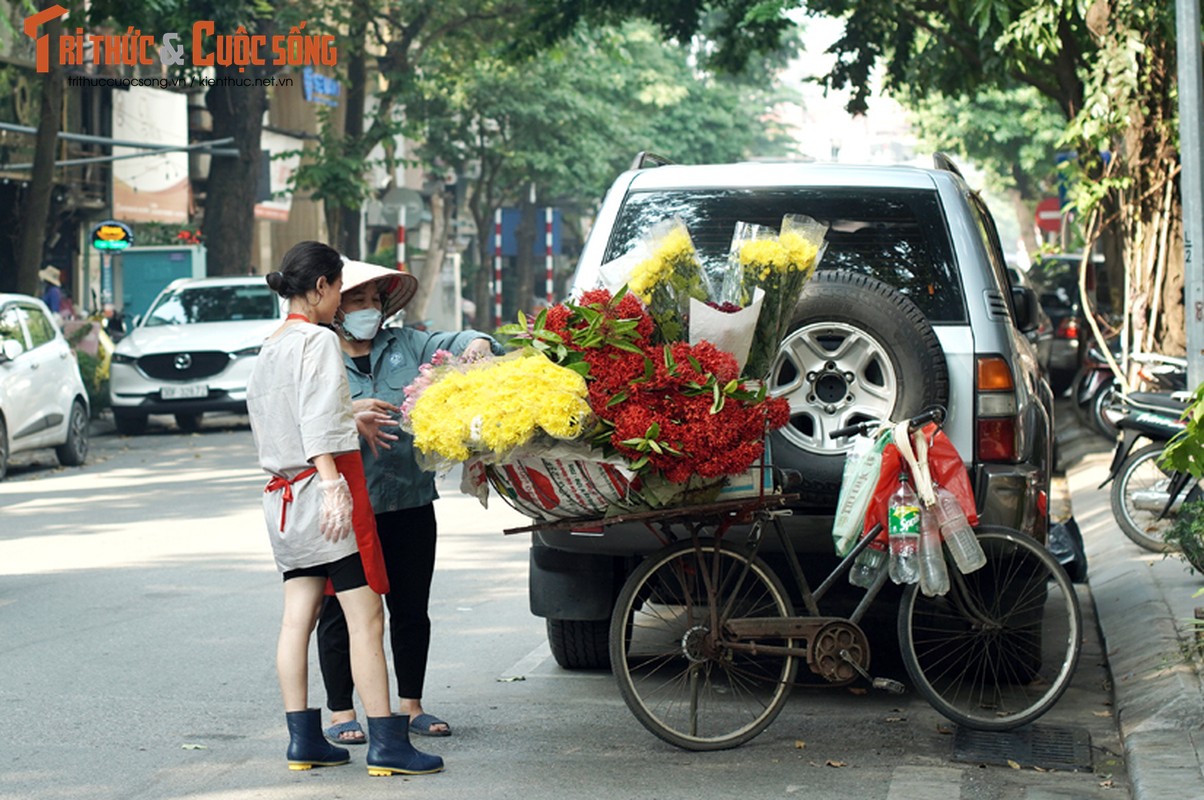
(1044, 746)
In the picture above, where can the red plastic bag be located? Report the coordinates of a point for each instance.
(946, 467)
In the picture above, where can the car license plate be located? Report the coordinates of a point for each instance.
(185, 392)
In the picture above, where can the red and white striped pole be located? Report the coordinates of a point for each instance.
(401, 239)
(497, 267)
(547, 239)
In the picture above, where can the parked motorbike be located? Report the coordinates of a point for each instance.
(1097, 395)
(1146, 498)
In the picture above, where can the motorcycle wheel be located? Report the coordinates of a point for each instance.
(1106, 410)
(1138, 496)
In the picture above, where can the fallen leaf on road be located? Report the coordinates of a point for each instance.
(799, 744)
(1013, 764)
(831, 762)
(944, 730)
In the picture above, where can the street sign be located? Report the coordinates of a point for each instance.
(1049, 215)
(112, 235)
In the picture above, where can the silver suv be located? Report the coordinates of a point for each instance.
(911, 307)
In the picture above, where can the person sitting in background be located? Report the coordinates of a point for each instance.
(52, 280)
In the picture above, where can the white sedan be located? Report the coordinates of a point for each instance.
(43, 402)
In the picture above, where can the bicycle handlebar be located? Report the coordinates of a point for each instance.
(934, 414)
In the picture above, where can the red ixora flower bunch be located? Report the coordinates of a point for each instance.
(675, 409)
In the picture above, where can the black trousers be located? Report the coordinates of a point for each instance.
(407, 539)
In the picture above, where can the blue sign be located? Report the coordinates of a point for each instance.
(319, 88)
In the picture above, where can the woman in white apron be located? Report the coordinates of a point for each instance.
(302, 422)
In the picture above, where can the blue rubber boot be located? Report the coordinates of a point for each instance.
(390, 751)
(307, 747)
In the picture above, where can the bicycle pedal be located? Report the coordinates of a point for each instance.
(889, 685)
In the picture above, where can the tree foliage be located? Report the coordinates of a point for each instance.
(1107, 65)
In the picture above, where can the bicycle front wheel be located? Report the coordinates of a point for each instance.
(669, 652)
(999, 649)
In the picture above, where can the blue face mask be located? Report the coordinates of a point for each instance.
(361, 325)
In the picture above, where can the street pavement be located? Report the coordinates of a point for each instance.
(1145, 605)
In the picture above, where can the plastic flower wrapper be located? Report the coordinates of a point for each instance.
(663, 271)
(491, 407)
(727, 326)
(781, 266)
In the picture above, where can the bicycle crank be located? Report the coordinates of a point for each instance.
(839, 652)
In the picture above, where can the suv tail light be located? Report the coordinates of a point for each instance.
(1068, 328)
(996, 425)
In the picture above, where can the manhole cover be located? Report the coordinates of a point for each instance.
(1044, 746)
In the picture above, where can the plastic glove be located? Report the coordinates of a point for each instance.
(334, 519)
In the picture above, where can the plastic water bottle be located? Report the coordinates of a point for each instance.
(934, 576)
(904, 533)
(868, 564)
(957, 533)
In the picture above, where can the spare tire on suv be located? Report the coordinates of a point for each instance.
(857, 350)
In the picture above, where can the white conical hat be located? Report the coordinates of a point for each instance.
(396, 287)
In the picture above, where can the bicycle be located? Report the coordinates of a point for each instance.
(705, 643)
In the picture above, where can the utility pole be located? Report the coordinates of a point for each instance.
(1191, 181)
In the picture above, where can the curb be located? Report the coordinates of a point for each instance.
(1143, 604)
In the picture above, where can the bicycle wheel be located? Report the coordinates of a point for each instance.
(669, 655)
(1138, 496)
(1000, 648)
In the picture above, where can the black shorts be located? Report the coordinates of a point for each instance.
(347, 573)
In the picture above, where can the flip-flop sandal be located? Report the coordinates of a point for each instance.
(421, 725)
(335, 732)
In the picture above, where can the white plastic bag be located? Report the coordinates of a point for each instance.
(861, 469)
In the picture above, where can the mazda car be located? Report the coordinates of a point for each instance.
(192, 352)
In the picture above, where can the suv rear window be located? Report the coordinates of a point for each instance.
(214, 304)
(896, 236)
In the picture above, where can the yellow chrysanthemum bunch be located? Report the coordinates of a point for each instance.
(495, 406)
(673, 251)
(780, 265)
(667, 279)
(789, 252)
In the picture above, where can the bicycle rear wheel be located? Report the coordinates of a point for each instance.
(1000, 648)
(668, 653)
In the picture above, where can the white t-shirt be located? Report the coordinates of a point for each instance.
(300, 407)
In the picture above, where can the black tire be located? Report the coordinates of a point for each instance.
(998, 650)
(188, 423)
(1105, 411)
(1138, 496)
(857, 350)
(130, 424)
(74, 451)
(579, 644)
(675, 670)
(3, 449)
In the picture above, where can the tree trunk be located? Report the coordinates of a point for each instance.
(345, 234)
(431, 276)
(233, 181)
(35, 209)
(524, 240)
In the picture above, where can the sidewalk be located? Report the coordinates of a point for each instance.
(1144, 604)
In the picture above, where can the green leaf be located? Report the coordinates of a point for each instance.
(618, 398)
